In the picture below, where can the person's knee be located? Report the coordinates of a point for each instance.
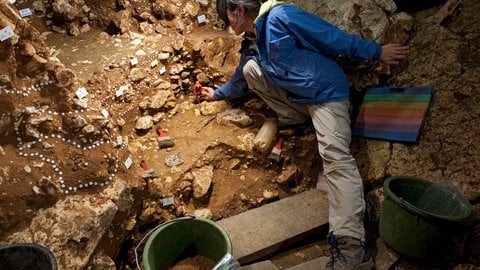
(251, 70)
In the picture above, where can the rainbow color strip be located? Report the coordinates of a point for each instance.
(393, 113)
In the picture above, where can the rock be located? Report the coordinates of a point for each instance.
(38, 7)
(144, 123)
(138, 74)
(64, 77)
(156, 102)
(88, 129)
(73, 29)
(202, 182)
(290, 174)
(27, 48)
(204, 213)
(234, 117)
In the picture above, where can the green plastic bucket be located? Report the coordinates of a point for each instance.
(185, 237)
(419, 217)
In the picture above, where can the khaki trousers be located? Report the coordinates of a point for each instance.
(332, 125)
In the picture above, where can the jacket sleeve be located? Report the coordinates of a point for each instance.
(236, 86)
(314, 33)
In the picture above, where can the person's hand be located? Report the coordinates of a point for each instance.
(392, 53)
(207, 93)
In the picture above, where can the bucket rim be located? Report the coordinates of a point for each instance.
(46, 251)
(155, 231)
(412, 208)
(30, 245)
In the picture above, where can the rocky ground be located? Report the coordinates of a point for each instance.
(84, 87)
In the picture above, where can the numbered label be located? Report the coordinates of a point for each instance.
(81, 92)
(154, 63)
(6, 33)
(202, 19)
(128, 163)
(119, 140)
(134, 61)
(168, 201)
(25, 12)
(162, 70)
(105, 113)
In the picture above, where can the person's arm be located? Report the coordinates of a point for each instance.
(237, 86)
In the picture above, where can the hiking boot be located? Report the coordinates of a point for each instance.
(348, 253)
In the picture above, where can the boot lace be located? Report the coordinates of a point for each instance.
(334, 250)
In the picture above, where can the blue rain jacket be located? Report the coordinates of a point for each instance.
(296, 50)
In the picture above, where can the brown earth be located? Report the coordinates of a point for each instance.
(101, 63)
(96, 60)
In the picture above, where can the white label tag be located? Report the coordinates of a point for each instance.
(121, 90)
(168, 201)
(25, 12)
(6, 33)
(81, 92)
(162, 70)
(128, 163)
(202, 19)
(134, 61)
(119, 140)
(11, 1)
(154, 63)
(105, 113)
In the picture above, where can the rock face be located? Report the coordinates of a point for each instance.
(44, 108)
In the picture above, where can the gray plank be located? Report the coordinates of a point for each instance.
(315, 264)
(271, 227)
(263, 265)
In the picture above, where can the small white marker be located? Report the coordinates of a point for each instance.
(119, 140)
(6, 33)
(162, 70)
(168, 201)
(120, 90)
(105, 113)
(128, 163)
(134, 61)
(81, 92)
(154, 63)
(202, 19)
(25, 12)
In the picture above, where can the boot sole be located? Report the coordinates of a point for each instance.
(368, 265)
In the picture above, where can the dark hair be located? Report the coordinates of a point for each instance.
(251, 8)
(222, 6)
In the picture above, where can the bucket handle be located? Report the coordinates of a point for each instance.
(154, 229)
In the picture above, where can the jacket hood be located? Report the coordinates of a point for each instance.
(267, 6)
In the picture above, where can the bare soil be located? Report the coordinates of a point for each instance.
(100, 61)
(95, 58)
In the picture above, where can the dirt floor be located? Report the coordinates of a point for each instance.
(98, 61)
(36, 172)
